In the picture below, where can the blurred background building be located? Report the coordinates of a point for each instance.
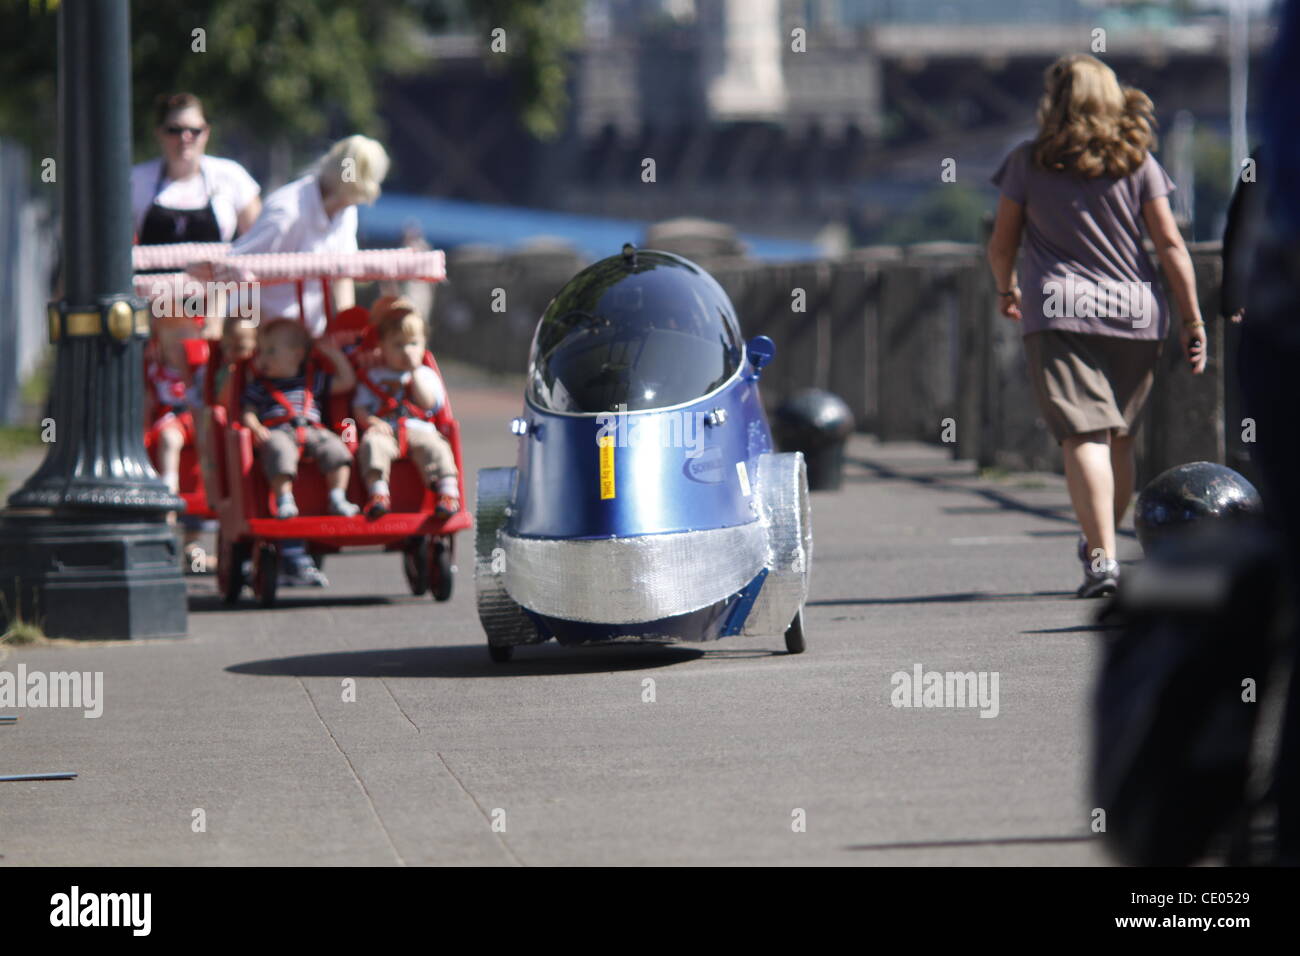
(818, 121)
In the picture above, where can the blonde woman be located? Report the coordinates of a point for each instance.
(317, 213)
(1091, 309)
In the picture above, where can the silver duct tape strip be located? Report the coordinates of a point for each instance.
(503, 620)
(783, 498)
(633, 579)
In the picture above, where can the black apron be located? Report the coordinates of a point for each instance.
(163, 225)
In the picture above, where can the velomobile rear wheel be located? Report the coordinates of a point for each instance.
(794, 635)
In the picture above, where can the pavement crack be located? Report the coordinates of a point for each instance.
(355, 776)
(486, 816)
(396, 704)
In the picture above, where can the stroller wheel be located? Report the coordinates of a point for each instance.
(794, 635)
(441, 573)
(266, 575)
(231, 557)
(415, 562)
(501, 654)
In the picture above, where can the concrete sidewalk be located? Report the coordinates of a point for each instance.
(917, 561)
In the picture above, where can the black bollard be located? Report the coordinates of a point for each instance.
(817, 423)
(1189, 496)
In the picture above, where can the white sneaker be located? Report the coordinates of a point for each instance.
(1100, 583)
(304, 576)
(338, 505)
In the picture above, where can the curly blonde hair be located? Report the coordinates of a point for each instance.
(354, 168)
(1089, 124)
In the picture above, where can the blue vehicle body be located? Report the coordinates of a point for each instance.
(647, 502)
(665, 487)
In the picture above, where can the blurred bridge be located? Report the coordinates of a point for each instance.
(751, 123)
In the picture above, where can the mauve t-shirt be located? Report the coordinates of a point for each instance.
(1083, 267)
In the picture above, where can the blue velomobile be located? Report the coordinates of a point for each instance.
(648, 503)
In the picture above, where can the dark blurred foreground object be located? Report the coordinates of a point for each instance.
(1173, 727)
(1241, 234)
(1269, 354)
(816, 423)
(85, 549)
(1190, 495)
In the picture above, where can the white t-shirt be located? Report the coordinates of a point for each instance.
(222, 181)
(393, 383)
(293, 220)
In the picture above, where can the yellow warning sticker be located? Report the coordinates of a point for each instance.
(606, 443)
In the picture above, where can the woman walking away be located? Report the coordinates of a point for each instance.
(1092, 313)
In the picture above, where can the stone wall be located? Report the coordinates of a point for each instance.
(909, 337)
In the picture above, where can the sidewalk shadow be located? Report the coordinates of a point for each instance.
(471, 660)
(990, 841)
(959, 597)
(202, 602)
(999, 501)
(1074, 532)
(1077, 629)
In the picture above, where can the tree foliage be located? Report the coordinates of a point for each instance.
(285, 69)
(540, 36)
(951, 211)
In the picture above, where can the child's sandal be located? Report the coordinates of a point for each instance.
(378, 506)
(448, 505)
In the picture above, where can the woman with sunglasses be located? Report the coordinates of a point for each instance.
(185, 196)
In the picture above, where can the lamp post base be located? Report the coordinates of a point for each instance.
(91, 579)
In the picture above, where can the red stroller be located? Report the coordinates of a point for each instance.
(250, 534)
(165, 386)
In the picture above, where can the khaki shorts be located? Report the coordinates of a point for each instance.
(279, 456)
(426, 447)
(1090, 383)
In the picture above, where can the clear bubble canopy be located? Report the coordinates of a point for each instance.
(637, 331)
